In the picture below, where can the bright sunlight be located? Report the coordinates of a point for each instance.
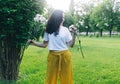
(59, 4)
(64, 4)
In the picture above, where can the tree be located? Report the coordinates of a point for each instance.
(98, 16)
(105, 16)
(87, 23)
(16, 22)
(68, 19)
(109, 15)
(83, 10)
(71, 7)
(116, 10)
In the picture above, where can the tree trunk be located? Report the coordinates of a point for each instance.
(101, 30)
(110, 32)
(87, 30)
(10, 60)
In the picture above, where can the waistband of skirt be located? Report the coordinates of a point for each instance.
(58, 52)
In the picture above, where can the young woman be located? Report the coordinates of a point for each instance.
(57, 38)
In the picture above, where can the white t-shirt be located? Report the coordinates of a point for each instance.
(58, 42)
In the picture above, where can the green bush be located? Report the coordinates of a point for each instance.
(16, 22)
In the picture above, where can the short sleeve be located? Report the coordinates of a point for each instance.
(45, 37)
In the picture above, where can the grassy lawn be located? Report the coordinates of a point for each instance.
(100, 66)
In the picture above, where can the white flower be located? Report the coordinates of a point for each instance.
(39, 18)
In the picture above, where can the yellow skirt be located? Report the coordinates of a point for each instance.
(59, 64)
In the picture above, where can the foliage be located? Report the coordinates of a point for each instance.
(17, 19)
(68, 19)
(104, 16)
(16, 22)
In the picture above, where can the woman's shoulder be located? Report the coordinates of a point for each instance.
(63, 27)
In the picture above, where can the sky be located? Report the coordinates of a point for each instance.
(59, 4)
(64, 4)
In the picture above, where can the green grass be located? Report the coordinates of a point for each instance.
(100, 66)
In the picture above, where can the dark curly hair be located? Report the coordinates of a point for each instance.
(54, 22)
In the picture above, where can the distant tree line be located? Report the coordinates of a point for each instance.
(105, 17)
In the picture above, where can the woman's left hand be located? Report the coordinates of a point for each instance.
(72, 29)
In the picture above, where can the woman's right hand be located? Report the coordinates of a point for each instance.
(30, 41)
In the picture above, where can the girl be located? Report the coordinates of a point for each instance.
(57, 38)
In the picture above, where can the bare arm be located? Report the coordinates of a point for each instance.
(44, 44)
(72, 42)
(73, 31)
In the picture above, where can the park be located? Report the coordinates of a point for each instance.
(98, 30)
(100, 65)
